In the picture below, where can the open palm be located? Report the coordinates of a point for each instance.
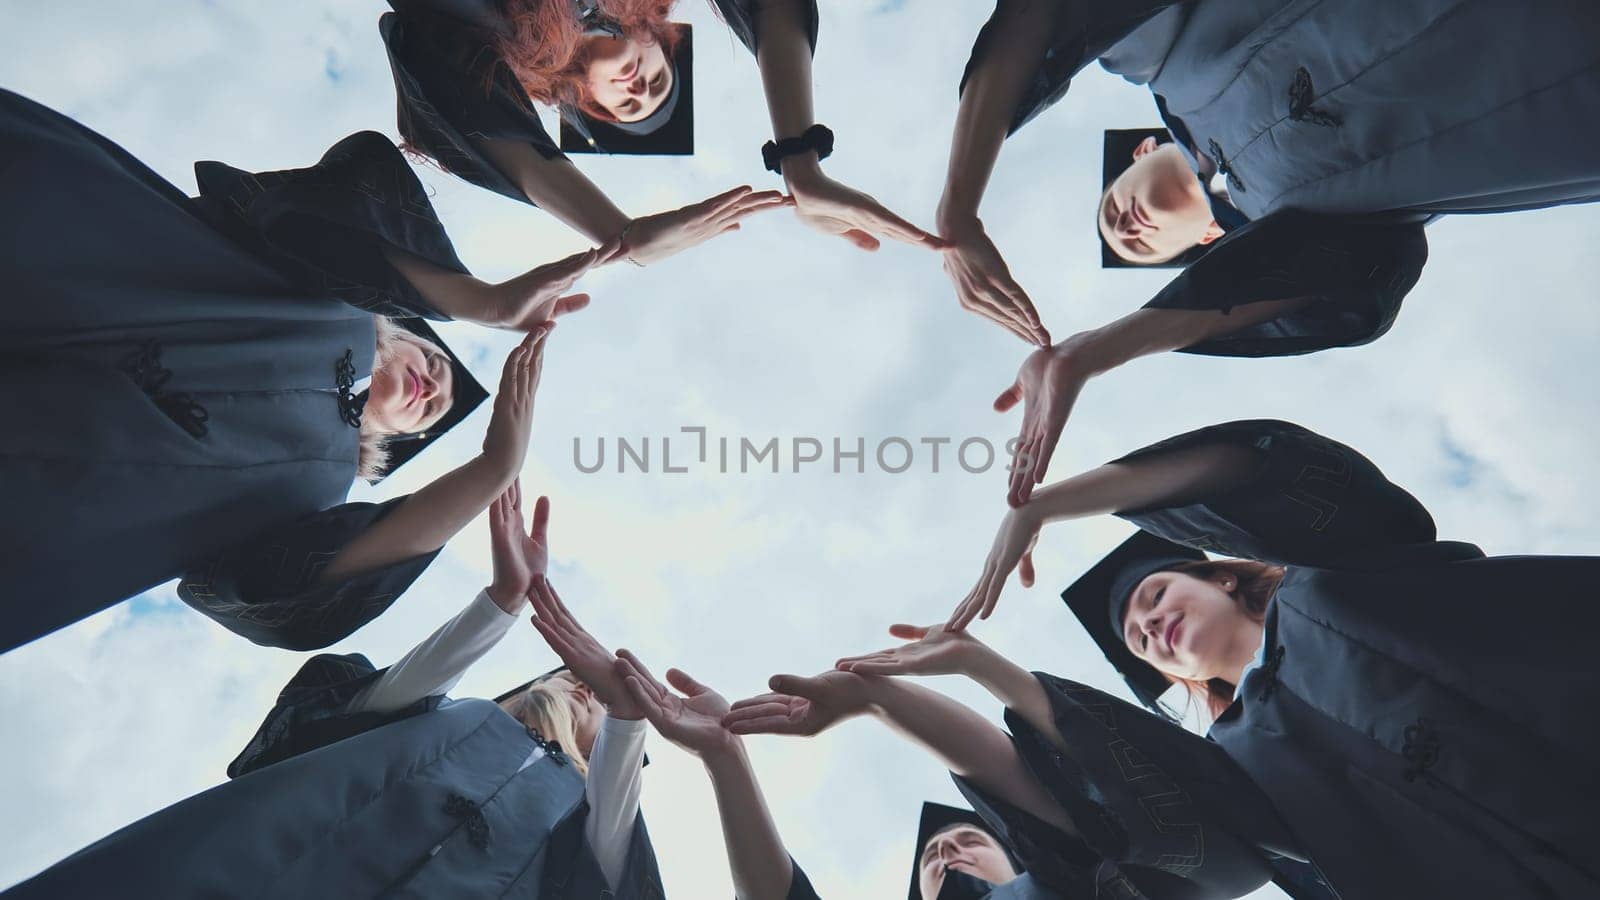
(800, 706)
(933, 650)
(693, 720)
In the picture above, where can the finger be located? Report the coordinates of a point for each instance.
(641, 695)
(877, 666)
(685, 684)
(909, 632)
(964, 610)
(998, 294)
(1009, 397)
(765, 725)
(642, 670)
(1022, 477)
(844, 661)
(1047, 448)
(541, 521)
(722, 201)
(752, 702)
(793, 685)
(516, 494)
(569, 304)
(1025, 569)
(746, 709)
(993, 580)
(884, 220)
(1023, 304)
(861, 239)
(991, 310)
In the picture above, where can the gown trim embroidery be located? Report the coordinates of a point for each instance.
(144, 367)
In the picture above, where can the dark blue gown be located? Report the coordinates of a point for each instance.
(428, 802)
(170, 376)
(1422, 727)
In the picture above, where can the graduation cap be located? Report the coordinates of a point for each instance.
(1100, 599)
(669, 131)
(528, 684)
(936, 817)
(1118, 156)
(465, 396)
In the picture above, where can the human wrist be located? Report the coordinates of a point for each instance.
(956, 215)
(801, 171)
(509, 599)
(725, 756)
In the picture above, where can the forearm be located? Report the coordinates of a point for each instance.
(1017, 689)
(556, 186)
(456, 294)
(784, 57)
(612, 787)
(1145, 332)
(989, 101)
(757, 858)
(964, 742)
(434, 666)
(1166, 479)
(424, 521)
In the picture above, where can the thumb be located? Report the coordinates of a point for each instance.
(569, 304)
(790, 684)
(861, 239)
(681, 680)
(1025, 569)
(909, 632)
(1008, 397)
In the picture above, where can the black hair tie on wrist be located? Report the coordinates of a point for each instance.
(818, 137)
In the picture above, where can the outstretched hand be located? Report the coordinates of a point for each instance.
(984, 284)
(933, 650)
(1012, 550)
(585, 657)
(693, 721)
(540, 295)
(800, 706)
(1047, 386)
(518, 558)
(653, 238)
(506, 442)
(832, 207)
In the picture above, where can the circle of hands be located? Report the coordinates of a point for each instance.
(1047, 386)
(691, 715)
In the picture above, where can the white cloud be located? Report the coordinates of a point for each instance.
(774, 331)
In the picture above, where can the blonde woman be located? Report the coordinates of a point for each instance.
(366, 782)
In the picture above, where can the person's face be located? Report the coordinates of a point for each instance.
(1156, 209)
(965, 849)
(1190, 627)
(410, 389)
(587, 712)
(627, 78)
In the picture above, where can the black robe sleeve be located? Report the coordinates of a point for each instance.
(799, 885)
(1086, 29)
(1161, 813)
(326, 225)
(1311, 501)
(265, 589)
(740, 16)
(1354, 274)
(310, 711)
(454, 91)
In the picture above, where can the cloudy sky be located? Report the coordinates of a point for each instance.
(1480, 401)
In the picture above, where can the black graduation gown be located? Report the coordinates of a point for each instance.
(170, 376)
(454, 92)
(427, 801)
(1423, 724)
(1342, 127)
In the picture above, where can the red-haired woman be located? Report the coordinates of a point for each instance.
(1419, 714)
(468, 73)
